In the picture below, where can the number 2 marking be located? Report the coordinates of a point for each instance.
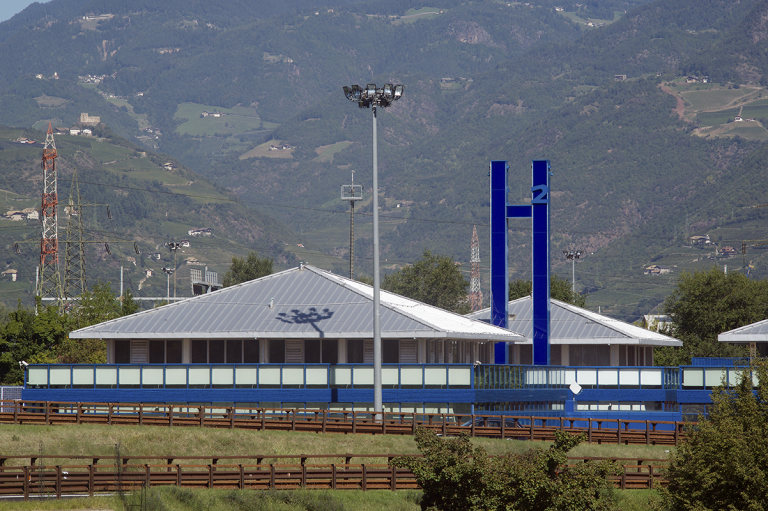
(540, 194)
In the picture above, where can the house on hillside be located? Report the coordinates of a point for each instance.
(656, 269)
(700, 240)
(728, 251)
(10, 274)
(204, 231)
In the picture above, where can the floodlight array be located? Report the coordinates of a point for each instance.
(374, 96)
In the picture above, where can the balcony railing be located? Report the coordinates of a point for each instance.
(246, 376)
(360, 376)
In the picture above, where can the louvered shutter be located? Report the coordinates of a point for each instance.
(409, 352)
(294, 352)
(138, 352)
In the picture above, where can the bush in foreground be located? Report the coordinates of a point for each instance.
(723, 464)
(455, 476)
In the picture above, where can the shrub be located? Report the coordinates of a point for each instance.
(723, 463)
(455, 476)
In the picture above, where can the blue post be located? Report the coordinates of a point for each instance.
(499, 255)
(538, 210)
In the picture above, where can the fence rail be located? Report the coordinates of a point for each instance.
(97, 477)
(527, 427)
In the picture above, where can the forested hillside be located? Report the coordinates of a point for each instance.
(651, 113)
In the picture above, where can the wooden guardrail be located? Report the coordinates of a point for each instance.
(98, 477)
(523, 427)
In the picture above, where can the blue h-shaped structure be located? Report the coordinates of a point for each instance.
(538, 212)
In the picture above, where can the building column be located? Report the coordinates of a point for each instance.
(186, 351)
(110, 351)
(421, 357)
(614, 354)
(565, 354)
(341, 349)
(263, 351)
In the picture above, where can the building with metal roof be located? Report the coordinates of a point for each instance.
(301, 315)
(580, 337)
(755, 336)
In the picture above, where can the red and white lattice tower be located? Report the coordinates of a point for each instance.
(475, 295)
(49, 279)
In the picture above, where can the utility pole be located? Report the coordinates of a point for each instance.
(352, 193)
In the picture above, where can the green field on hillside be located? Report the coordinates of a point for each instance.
(238, 119)
(713, 98)
(715, 118)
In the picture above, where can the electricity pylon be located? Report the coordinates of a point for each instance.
(49, 278)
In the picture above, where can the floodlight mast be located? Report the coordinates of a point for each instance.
(572, 255)
(372, 97)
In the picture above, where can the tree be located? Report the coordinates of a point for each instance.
(247, 268)
(559, 289)
(707, 303)
(32, 337)
(455, 476)
(433, 279)
(723, 462)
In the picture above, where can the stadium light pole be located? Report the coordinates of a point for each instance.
(373, 97)
(572, 255)
(174, 246)
(168, 272)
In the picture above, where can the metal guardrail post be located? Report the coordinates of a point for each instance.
(90, 480)
(170, 416)
(365, 477)
(271, 476)
(242, 477)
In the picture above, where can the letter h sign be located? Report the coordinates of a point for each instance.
(538, 212)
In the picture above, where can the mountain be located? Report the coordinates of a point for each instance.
(643, 108)
(134, 201)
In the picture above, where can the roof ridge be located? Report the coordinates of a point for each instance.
(178, 302)
(344, 282)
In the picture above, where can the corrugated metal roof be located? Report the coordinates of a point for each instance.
(308, 303)
(756, 332)
(573, 325)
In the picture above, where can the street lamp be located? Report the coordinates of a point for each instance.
(572, 255)
(374, 97)
(174, 246)
(168, 272)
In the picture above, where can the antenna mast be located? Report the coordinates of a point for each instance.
(352, 193)
(475, 295)
(49, 283)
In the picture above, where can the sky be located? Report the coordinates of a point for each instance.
(10, 7)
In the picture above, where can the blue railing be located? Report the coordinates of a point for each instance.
(719, 361)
